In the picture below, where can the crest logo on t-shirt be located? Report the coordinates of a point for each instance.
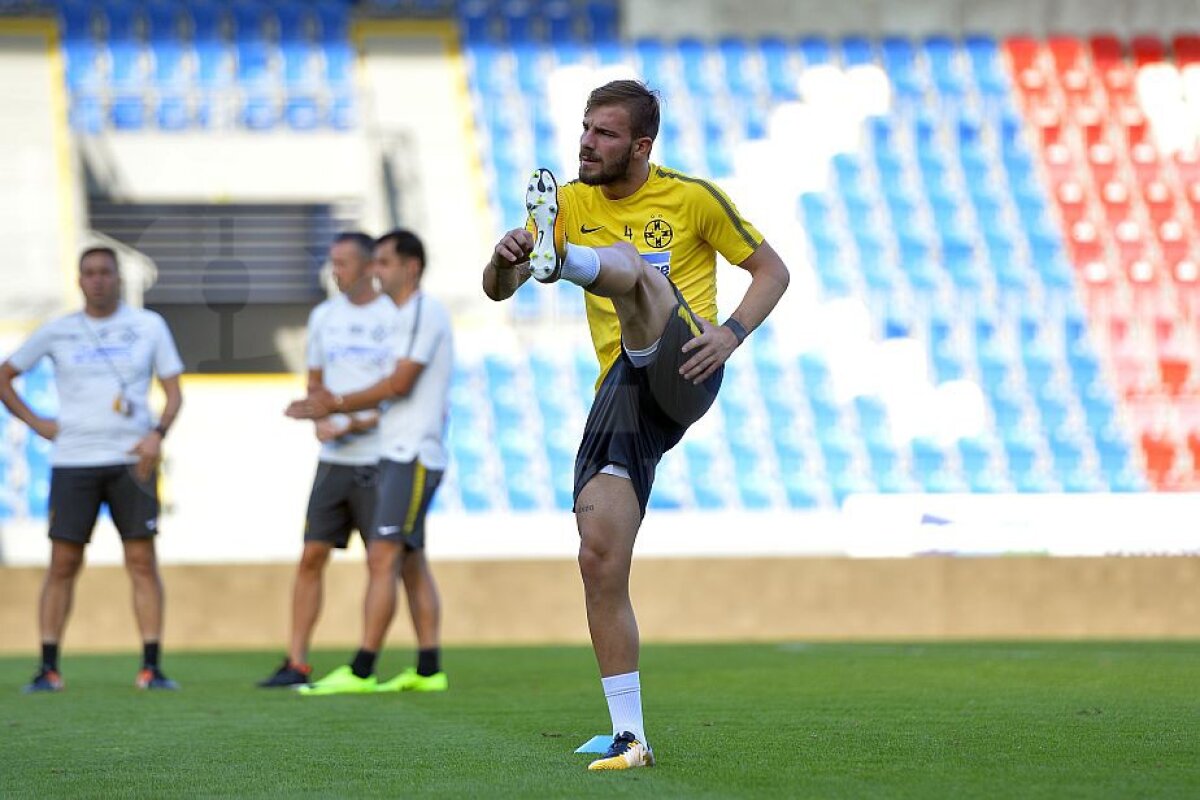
(658, 233)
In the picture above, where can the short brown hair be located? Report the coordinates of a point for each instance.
(640, 101)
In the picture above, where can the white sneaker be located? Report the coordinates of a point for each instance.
(626, 752)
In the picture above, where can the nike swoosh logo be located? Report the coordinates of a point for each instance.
(586, 229)
(388, 530)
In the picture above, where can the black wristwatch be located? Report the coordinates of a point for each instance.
(161, 430)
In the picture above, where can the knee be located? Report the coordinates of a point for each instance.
(65, 567)
(596, 562)
(313, 560)
(383, 561)
(142, 566)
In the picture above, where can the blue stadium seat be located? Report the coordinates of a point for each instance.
(781, 74)
(857, 51)
(334, 19)
(171, 65)
(121, 20)
(339, 64)
(162, 21)
(603, 19)
(214, 64)
(76, 20)
(253, 20)
(296, 22)
(83, 65)
(256, 61)
(342, 112)
(815, 50)
(128, 112)
(173, 113)
(942, 55)
(260, 112)
(206, 18)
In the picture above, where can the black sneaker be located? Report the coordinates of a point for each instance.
(46, 680)
(153, 678)
(288, 674)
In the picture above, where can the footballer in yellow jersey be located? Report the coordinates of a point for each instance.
(641, 240)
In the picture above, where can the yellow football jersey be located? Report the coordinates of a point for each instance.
(678, 223)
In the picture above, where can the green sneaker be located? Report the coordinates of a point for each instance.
(341, 681)
(410, 681)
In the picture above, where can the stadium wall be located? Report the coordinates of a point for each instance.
(678, 600)
(673, 18)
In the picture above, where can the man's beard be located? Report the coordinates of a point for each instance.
(609, 172)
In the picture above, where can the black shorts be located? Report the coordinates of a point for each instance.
(76, 494)
(405, 491)
(640, 413)
(342, 500)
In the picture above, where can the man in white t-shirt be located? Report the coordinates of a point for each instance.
(415, 399)
(107, 447)
(349, 348)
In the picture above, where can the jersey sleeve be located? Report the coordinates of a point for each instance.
(431, 328)
(314, 352)
(722, 225)
(167, 363)
(33, 349)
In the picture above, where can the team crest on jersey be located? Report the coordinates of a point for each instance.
(660, 260)
(658, 233)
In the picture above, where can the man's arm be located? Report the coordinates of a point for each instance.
(769, 279)
(508, 267)
(46, 428)
(316, 379)
(149, 447)
(322, 402)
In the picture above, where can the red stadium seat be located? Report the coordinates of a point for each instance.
(1173, 241)
(1085, 244)
(1106, 49)
(1133, 121)
(1077, 86)
(1060, 163)
(1130, 240)
(1103, 162)
(1048, 121)
(1023, 52)
(1187, 49)
(1159, 200)
(1144, 157)
(1193, 198)
(1147, 49)
(1072, 202)
(1092, 124)
(1118, 81)
(1033, 85)
(1114, 196)
(1187, 166)
(1066, 52)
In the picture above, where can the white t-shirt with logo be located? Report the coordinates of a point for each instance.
(352, 346)
(102, 370)
(414, 427)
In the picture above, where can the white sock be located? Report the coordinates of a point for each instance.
(581, 266)
(624, 696)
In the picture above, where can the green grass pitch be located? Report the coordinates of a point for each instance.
(1020, 720)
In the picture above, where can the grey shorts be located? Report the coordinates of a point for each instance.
(640, 413)
(76, 494)
(405, 491)
(342, 500)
